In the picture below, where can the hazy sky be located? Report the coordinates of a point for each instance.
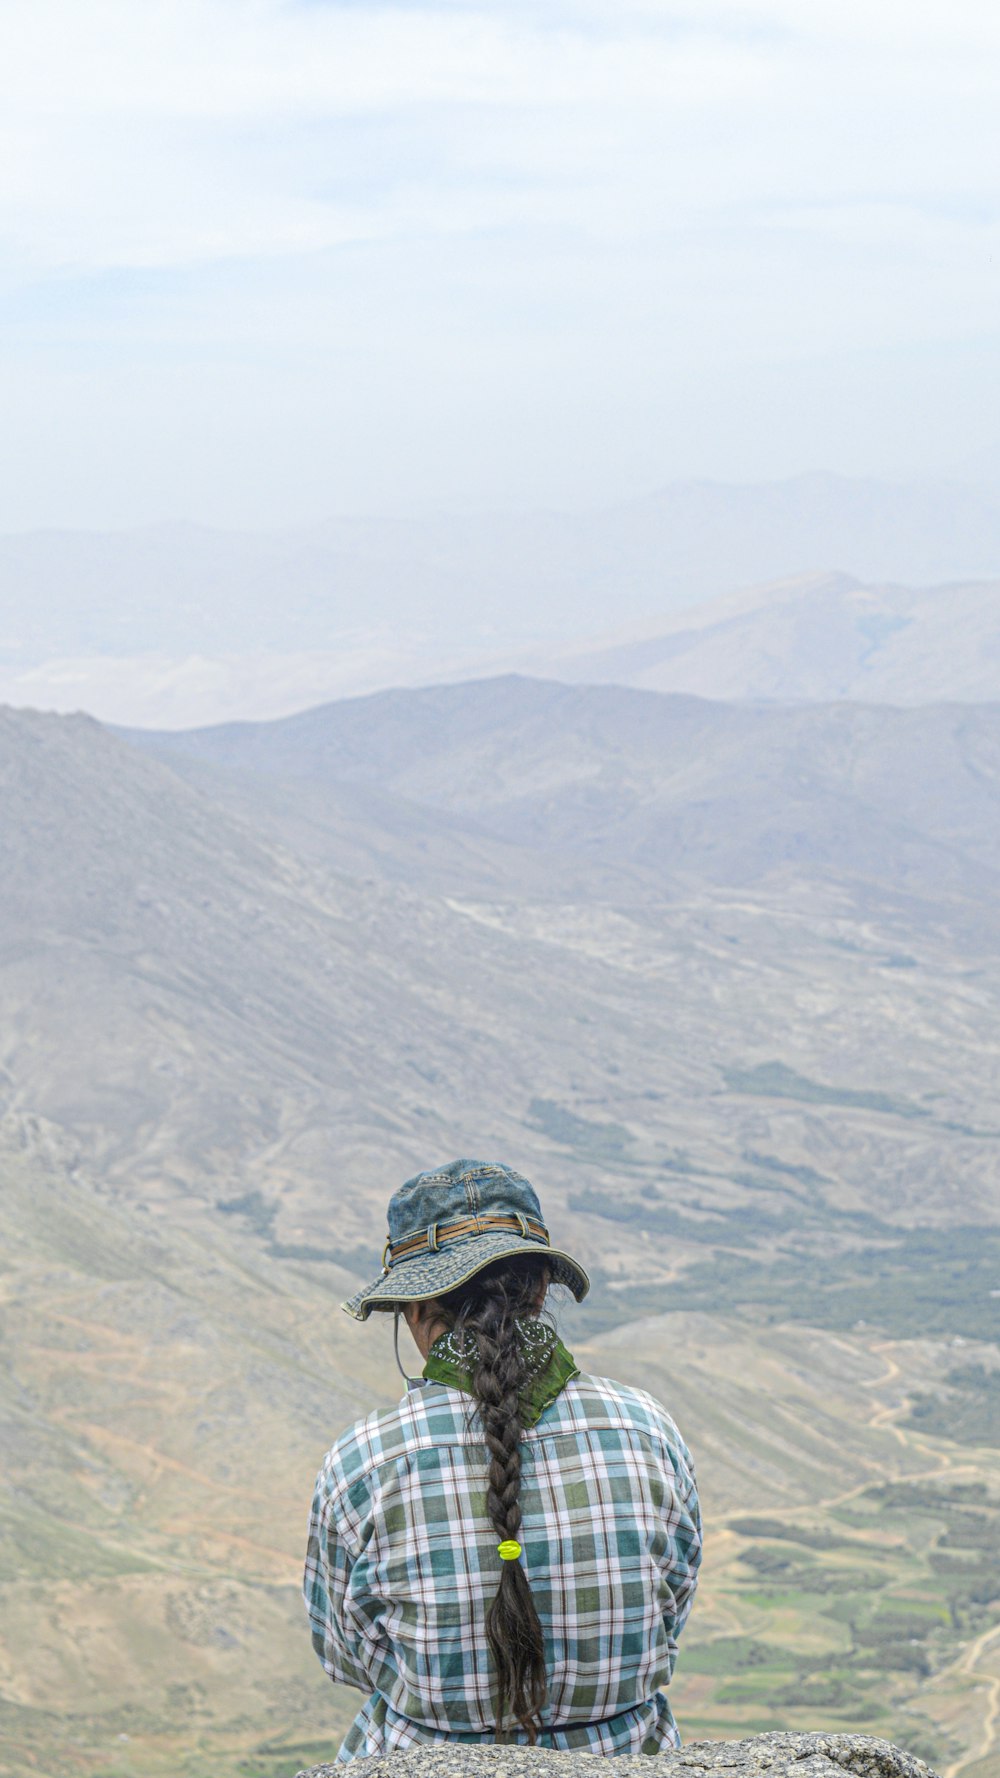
(263, 260)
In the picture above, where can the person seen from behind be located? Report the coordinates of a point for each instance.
(510, 1553)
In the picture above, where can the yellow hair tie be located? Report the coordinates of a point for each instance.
(509, 1550)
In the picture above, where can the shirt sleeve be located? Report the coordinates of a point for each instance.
(329, 1561)
(681, 1549)
(688, 1538)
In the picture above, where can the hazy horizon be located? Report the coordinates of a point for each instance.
(181, 625)
(978, 475)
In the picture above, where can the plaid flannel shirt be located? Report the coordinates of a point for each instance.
(402, 1565)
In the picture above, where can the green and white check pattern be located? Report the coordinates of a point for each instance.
(402, 1564)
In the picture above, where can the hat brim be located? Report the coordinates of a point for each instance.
(432, 1274)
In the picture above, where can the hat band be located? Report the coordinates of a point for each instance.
(439, 1234)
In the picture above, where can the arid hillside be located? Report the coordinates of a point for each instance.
(810, 636)
(250, 981)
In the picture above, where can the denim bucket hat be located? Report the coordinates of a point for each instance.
(446, 1225)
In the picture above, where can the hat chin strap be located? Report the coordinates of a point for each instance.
(411, 1382)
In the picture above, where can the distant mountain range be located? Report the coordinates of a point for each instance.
(650, 790)
(178, 624)
(815, 637)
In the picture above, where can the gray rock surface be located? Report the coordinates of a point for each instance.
(780, 1755)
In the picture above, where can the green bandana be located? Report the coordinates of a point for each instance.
(549, 1366)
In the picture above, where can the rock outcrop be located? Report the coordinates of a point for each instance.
(777, 1755)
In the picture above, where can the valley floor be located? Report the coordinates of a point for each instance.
(167, 1428)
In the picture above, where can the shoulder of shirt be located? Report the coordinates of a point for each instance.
(437, 1415)
(596, 1404)
(594, 1400)
(388, 1434)
(368, 1435)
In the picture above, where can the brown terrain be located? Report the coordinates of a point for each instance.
(723, 980)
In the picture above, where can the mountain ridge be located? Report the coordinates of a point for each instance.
(811, 638)
(634, 769)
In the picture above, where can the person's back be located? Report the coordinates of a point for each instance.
(568, 1625)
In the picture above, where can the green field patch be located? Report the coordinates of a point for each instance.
(713, 1723)
(596, 1141)
(968, 1412)
(909, 1656)
(782, 1530)
(650, 1215)
(790, 1572)
(271, 1761)
(258, 1215)
(772, 1163)
(978, 1533)
(839, 1692)
(737, 1654)
(968, 1583)
(256, 1211)
(775, 1080)
(893, 1622)
(749, 1688)
(681, 1162)
(741, 1228)
(941, 1501)
(810, 1602)
(827, 1688)
(913, 1284)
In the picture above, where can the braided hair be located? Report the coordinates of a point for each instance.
(486, 1309)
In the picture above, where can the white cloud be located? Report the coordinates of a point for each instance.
(449, 214)
(219, 60)
(189, 130)
(183, 131)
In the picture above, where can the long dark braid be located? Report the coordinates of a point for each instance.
(486, 1310)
